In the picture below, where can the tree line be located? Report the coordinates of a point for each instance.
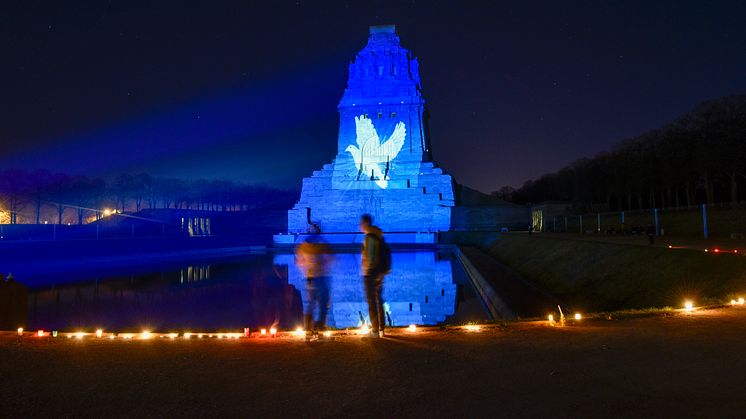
(30, 196)
(698, 158)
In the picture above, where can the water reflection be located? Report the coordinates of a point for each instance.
(419, 290)
(195, 273)
(255, 291)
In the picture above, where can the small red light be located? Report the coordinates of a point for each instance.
(717, 250)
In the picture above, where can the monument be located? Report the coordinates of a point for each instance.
(383, 165)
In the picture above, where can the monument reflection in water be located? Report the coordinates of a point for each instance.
(419, 290)
(426, 287)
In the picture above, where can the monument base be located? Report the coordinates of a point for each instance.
(352, 239)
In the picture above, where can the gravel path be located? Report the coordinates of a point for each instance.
(685, 365)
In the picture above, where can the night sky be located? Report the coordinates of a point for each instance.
(248, 90)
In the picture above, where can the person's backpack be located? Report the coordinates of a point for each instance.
(385, 256)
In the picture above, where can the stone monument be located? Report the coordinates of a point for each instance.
(383, 164)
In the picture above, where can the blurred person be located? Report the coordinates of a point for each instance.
(313, 257)
(376, 263)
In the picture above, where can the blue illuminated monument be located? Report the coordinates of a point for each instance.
(383, 164)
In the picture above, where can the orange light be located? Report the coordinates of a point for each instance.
(99, 333)
(20, 331)
(273, 332)
(688, 306)
(263, 332)
(40, 333)
(299, 331)
(412, 328)
(740, 301)
(327, 333)
(578, 316)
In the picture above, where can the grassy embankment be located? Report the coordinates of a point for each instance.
(595, 276)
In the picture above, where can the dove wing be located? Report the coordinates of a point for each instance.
(394, 144)
(367, 137)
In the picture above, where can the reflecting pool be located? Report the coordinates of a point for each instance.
(426, 287)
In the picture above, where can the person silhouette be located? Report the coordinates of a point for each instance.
(376, 263)
(313, 257)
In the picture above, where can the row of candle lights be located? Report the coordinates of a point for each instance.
(272, 332)
(146, 334)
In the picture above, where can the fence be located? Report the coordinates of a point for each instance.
(704, 221)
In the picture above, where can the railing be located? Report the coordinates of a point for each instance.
(703, 221)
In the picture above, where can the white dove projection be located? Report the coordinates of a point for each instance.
(370, 153)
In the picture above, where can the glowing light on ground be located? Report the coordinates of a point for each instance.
(550, 318)
(99, 333)
(40, 333)
(578, 316)
(273, 332)
(263, 332)
(364, 330)
(79, 335)
(740, 301)
(187, 335)
(733, 302)
(146, 335)
(472, 327)
(299, 331)
(327, 333)
(688, 306)
(412, 328)
(20, 331)
(173, 335)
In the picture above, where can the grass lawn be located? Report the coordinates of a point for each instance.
(600, 276)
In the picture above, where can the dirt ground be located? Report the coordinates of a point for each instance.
(685, 365)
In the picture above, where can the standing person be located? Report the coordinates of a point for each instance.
(313, 257)
(376, 264)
